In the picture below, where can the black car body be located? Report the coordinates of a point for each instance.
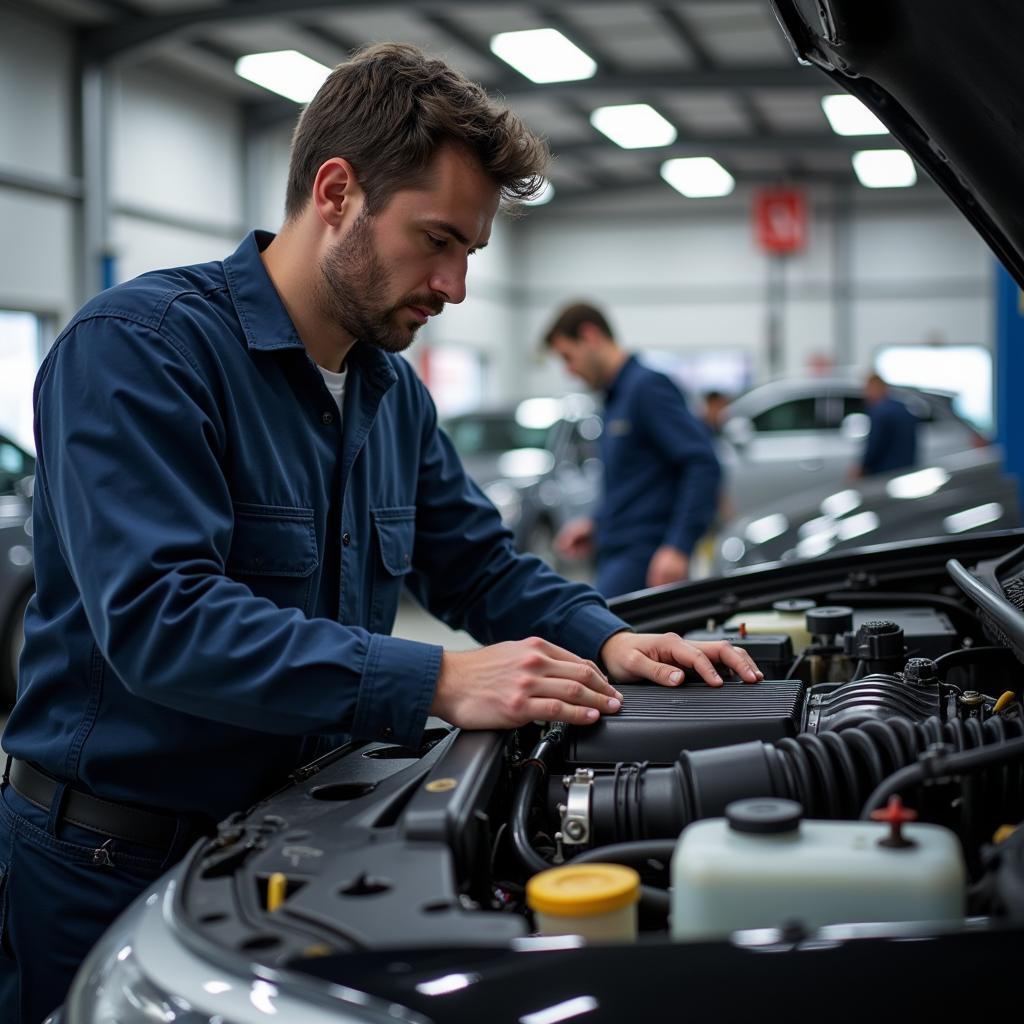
(403, 869)
(967, 492)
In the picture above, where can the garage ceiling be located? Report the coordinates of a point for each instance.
(718, 70)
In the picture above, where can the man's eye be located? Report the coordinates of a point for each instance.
(438, 243)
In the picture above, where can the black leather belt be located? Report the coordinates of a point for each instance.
(116, 821)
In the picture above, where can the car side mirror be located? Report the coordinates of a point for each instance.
(855, 427)
(739, 430)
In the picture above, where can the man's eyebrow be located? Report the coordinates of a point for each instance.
(452, 230)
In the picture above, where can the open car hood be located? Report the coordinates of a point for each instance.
(947, 80)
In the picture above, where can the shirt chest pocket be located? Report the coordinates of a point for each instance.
(274, 552)
(395, 534)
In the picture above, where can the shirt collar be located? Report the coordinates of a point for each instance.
(261, 312)
(266, 323)
(624, 371)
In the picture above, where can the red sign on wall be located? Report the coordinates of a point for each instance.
(780, 219)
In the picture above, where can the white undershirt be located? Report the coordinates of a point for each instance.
(336, 385)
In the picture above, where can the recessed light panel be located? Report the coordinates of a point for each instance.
(698, 177)
(848, 116)
(633, 126)
(286, 72)
(543, 55)
(884, 168)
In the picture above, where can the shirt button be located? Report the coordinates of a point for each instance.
(387, 731)
(327, 419)
(346, 538)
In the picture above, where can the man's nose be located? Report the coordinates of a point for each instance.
(450, 282)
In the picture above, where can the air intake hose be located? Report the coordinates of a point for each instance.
(831, 775)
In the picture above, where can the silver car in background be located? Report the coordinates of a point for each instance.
(793, 435)
(17, 577)
(964, 493)
(537, 461)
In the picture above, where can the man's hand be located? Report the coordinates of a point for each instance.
(576, 539)
(510, 684)
(667, 565)
(662, 657)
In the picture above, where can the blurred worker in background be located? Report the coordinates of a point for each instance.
(661, 476)
(892, 440)
(715, 404)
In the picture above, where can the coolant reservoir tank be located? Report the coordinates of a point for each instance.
(788, 616)
(763, 867)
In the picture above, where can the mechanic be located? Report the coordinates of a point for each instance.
(713, 415)
(661, 476)
(236, 476)
(892, 440)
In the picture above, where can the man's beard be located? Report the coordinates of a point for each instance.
(352, 288)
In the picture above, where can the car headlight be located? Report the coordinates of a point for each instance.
(507, 500)
(111, 987)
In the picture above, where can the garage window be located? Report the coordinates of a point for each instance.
(21, 347)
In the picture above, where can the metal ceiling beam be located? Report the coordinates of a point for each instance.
(103, 42)
(782, 143)
(107, 41)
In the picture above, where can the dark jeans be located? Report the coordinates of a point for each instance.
(60, 887)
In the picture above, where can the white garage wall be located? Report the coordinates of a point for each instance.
(176, 173)
(186, 186)
(870, 275)
(37, 265)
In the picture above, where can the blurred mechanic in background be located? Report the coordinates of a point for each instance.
(661, 476)
(892, 439)
(713, 417)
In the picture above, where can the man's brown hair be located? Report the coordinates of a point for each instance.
(389, 109)
(572, 318)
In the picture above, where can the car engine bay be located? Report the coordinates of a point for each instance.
(892, 691)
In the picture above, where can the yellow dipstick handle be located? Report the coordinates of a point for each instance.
(1003, 701)
(277, 886)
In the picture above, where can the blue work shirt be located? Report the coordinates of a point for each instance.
(661, 475)
(892, 439)
(219, 563)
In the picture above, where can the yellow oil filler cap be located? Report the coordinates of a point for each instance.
(597, 901)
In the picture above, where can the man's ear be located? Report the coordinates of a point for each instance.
(337, 196)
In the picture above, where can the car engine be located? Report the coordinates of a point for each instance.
(892, 692)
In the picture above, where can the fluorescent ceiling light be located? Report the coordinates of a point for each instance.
(633, 126)
(848, 116)
(286, 72)
(884, 168)
(971, 518)
(840, 503)
(857, 526)
(767, 528)
(543, 55)
(545, 195)
(698, 177)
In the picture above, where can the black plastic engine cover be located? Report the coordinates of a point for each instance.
(657, 722)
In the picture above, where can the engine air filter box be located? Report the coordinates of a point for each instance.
(657, 722)
(772, 652)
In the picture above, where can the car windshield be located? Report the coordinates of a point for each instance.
(486, 433)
